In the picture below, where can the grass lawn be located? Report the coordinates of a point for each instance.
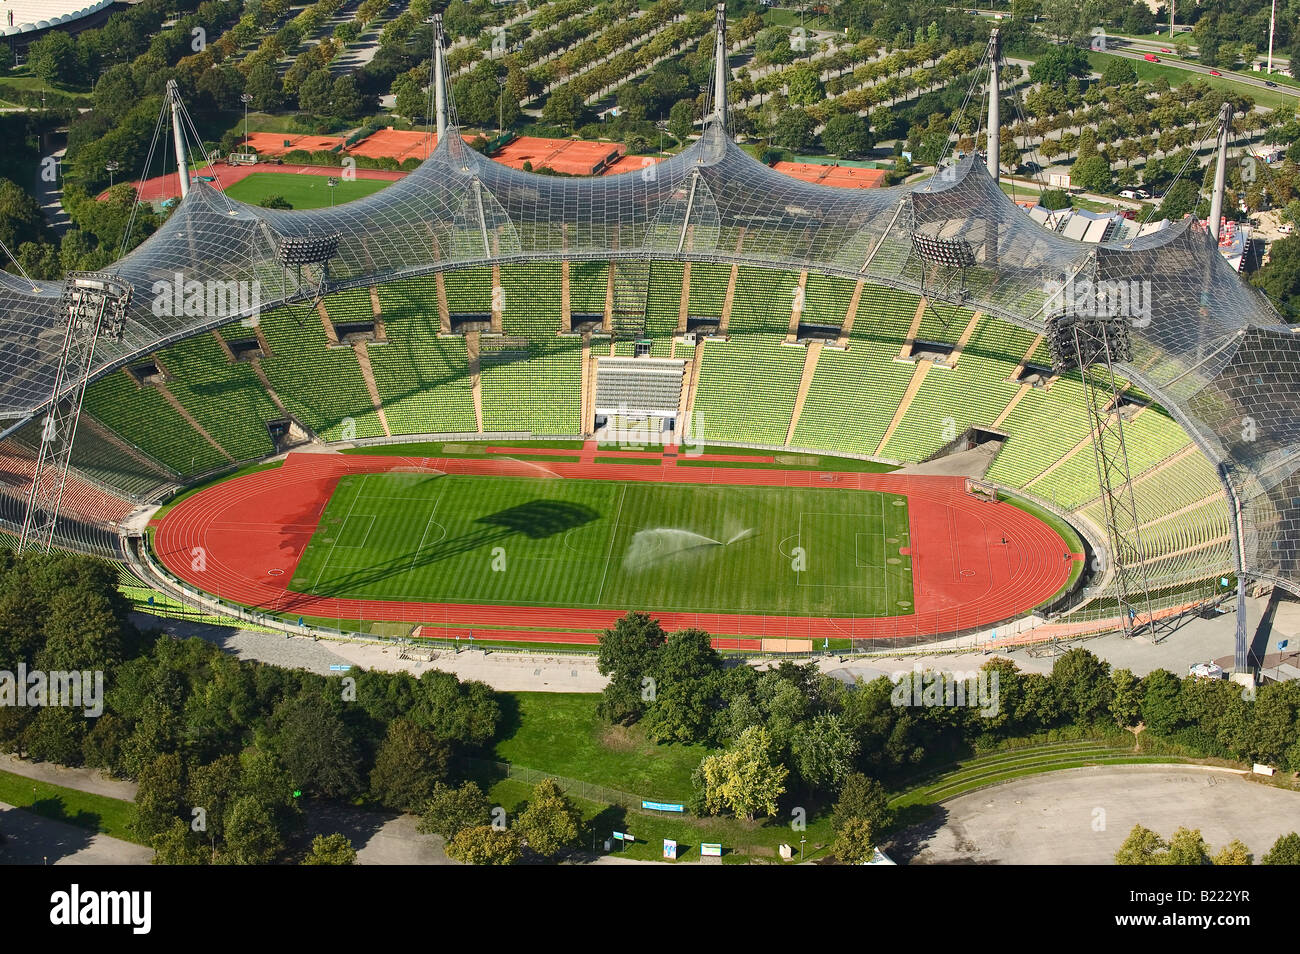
(610, 545)
(742, 842)
(1149, 72)
(302, 191)
(99, 813)
(560, 733)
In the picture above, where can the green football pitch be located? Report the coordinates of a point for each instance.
(611, 545)
(302, 191)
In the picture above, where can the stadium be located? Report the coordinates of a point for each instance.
(483, 401)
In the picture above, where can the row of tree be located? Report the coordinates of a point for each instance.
(792, 730)
(224, 750)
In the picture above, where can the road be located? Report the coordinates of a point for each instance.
(1120, 47)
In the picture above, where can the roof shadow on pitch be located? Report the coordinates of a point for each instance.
(536, 520)
(539, 519)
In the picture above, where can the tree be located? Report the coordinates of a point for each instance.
(864, 798)
(316, 92)
(564, 107)
(450, 811)
(1280, 278)
(54, 58)
(346, 101)
(684, 672)
(1091, 173)
(1057, 64)
(263, 84)
(626, 654)
(484, 845)
(1285, 851)
(1141, 847)
(853, 842)
(1118, 72)
(158, 796)
(823, 750)
(177, 845)
(1126, 700)
(1162, 708)
(409, 763)
(1054, 199)
(847, 136)
(316, 747)
(1187, 847)
(681, 119)
(1083, 685)
(794, 129)
(744, 779)
(1233, 853)
(252, 837)
(333, 849)
(805, 86)
(549, 823)
(275, 202)
(1180, 200)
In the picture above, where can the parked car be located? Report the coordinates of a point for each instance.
(1127, 194)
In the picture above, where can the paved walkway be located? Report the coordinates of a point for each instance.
(29, 839)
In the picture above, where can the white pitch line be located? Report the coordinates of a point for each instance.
(610, 552)
(427, 524)
(340, 533)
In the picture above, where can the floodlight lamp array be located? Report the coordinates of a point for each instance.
(950, 252)
(308, 249)
(1077, 340)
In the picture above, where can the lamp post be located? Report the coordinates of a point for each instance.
(501, 99)
(246, 98)
(331, 182)
(111, 167)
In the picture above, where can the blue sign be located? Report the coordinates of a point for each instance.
(1281, 644)
(339, 668)
(151, 601)
(663, 806)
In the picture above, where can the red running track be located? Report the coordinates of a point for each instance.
(252, 530)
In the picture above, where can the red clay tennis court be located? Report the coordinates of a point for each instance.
(975, 563)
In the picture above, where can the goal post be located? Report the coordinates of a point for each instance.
(981, 490)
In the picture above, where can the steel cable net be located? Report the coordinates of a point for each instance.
(1207, 346)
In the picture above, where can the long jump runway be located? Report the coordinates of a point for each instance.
(241, 541)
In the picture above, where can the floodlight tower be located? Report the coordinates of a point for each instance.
(94, 306)
(1220, 173)
(995, 121)
(182, 162)
(439, 78)
(1083, 337)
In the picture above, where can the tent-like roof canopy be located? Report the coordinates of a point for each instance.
(1206, 345)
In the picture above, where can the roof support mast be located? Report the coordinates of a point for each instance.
(182, 161)
(995, 120)
(720, 68)
(439, 77)
(1220, 173)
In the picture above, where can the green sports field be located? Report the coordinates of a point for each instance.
(611, 545)
(302, 191)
